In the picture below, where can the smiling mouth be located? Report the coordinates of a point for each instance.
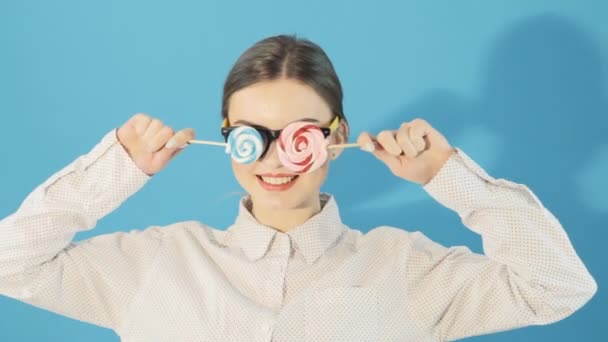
(277, 181)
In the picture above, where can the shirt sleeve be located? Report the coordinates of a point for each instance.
(530, 273)
(91, 280)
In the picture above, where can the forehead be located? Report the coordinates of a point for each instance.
(274, 104)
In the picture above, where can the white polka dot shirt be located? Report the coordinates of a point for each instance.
(321, 281)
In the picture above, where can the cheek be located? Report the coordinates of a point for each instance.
(317, 177)
(242, 171)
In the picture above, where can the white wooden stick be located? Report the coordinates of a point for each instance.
(205, 142)
(344, 145)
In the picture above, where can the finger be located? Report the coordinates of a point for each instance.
(403, 140)
(166, 154)
(140, 123)
(366, 142)
(388, 142)
(181, 138)
(155, 126)
(160, 139)
(381, 154)
(418, 131)
(390, 160)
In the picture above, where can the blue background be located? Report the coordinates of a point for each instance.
(519, 85)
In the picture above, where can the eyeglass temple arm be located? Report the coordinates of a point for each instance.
(333, 126)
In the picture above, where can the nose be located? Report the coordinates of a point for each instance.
(271, 157)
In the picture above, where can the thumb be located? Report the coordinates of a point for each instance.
(166, 154)
(370, 144)
(175, 145)
(381, 154)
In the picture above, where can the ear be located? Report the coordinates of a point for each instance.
(339, 137)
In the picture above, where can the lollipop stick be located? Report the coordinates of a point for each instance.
(205, 142)
(344, 145)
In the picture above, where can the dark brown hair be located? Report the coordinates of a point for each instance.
(290, 57)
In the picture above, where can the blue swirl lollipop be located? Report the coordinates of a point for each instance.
(245, 144)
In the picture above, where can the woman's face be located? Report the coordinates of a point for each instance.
(274, 105)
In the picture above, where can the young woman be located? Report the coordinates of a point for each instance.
(288, 269)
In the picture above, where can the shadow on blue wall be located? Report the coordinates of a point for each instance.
(539, 119)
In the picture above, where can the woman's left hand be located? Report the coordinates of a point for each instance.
(415, 152)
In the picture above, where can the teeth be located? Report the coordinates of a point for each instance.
(277, 180)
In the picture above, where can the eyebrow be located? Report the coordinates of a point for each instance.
(249, 123)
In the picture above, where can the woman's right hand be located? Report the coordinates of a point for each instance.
(150, 143)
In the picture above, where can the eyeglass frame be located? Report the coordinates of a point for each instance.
(271, 135)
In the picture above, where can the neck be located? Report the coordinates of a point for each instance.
(287, 219)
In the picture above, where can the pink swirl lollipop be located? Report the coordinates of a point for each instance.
(302, 147)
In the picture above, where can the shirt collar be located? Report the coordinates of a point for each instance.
(312, 238)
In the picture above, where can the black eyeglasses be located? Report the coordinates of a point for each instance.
(269, 135)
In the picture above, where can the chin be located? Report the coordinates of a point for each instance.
(300, 195)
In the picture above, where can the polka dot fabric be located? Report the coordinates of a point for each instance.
(321, 281)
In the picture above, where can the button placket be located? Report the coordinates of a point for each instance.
(266, 328)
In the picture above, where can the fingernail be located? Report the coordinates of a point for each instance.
(369, 147)
(170, 144)
(184, 145)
